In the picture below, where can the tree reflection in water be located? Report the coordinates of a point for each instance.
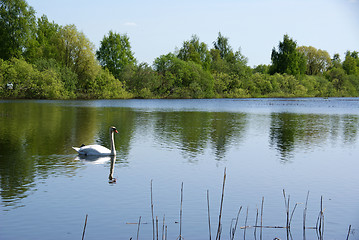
(290, 131)
(37, 136)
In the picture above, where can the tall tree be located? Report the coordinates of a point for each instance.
(336, 62)
(318, 61)
(225, 60)
(141, 79)
(46, 41)
(351, 63)
(78, 54)
(17, 24)
(183, 79)
(48, 36)
(195, 51)
(115, 53)
(287, 59)
(222, 45)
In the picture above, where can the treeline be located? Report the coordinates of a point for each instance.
(41, 59)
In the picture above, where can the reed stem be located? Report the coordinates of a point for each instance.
(156, 227)
(83, 232)
(262, 217)
(218, 237)
(138, 227)
(209, 216)
(235, 226)
(350, 226)
(245, 224)
(153, 220)
(180, 235)
(163, 228)
(291, 216)
(305, 211)
(255, 229)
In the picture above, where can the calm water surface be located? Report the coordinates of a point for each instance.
(266, 145)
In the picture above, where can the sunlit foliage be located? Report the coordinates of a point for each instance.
(41, 59)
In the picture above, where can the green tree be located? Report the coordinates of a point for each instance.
(163, 63)
(115, 53)
(181, 79)
(222, 45)
(141, 80)
(168, 81)
(336, 76)
(107, 86)
(218, 64)
(46, 42)
(336, 62)
(318, 61)
(77, 53)
(195, 51)
(28, 82)
(262, 83)
(351, 63)
(65, 74)
(17, 24)
(225, 60)
(287, 59)
(262, 68)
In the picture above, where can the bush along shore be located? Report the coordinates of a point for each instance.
(40, 59)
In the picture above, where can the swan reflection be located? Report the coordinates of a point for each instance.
(111, 179)
(94, 159)
(100, 160)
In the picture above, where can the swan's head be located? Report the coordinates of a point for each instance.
(113, 129)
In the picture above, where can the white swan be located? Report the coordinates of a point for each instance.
(98, 150)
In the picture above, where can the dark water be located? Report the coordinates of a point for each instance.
(266, 145)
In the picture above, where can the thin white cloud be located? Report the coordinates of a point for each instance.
(130, 24)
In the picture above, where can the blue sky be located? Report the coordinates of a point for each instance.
(255, 26)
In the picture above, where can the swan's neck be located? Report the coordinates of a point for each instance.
(113, 150)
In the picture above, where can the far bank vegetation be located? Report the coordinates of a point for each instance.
(40, 59)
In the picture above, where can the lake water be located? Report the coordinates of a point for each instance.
(265, 145)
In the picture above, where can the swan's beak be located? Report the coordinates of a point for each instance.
(116, 131)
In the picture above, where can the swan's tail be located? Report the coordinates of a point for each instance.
(76, 149)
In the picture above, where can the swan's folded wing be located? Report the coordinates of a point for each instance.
(95, 150)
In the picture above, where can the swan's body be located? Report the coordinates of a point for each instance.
(98, 150)
(93, 150)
